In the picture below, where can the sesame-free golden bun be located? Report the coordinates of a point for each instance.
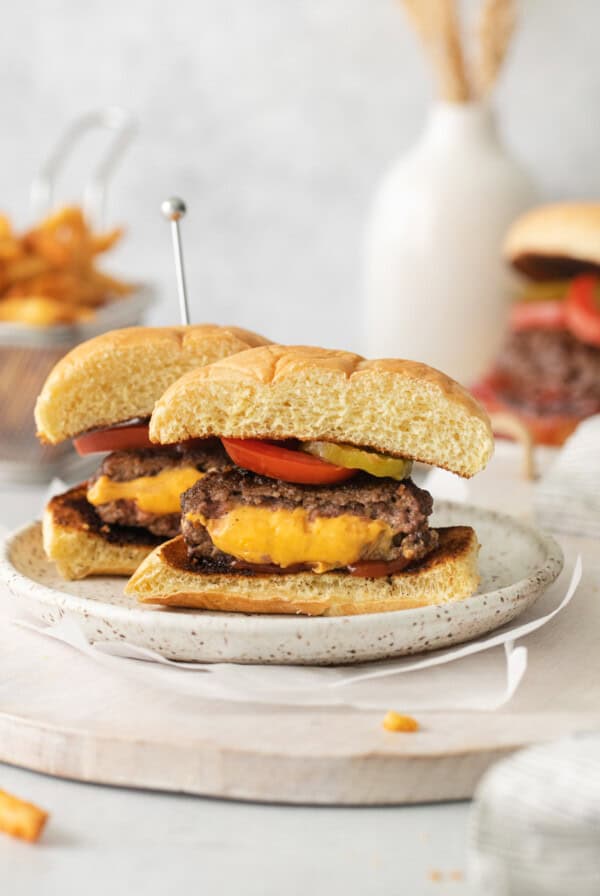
(396, 407)
(121, 374)
(555, 241)
(81, 545)
(449, 573)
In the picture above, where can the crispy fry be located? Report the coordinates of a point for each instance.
(48, 274)
(394, 721)
(5, 228)
(21, 819)
(111, 284)
(9, 247)
(41, 311)
(24, 267)
(103, 241)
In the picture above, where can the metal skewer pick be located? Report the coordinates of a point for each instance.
(174, 209)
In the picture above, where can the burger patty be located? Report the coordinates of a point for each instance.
(125, 512)
(402, 505)
(123, 466)
(550, 371)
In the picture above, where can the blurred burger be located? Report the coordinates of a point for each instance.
(548, 372)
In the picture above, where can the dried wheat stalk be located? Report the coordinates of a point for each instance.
(495, 28)
(436, 22)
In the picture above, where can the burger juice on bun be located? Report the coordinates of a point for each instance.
(317, 512)
(101, 395)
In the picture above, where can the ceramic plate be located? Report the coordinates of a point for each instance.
(517, 564)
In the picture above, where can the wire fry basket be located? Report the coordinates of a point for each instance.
(28, 353)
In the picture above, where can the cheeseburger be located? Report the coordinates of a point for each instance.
(101, 395)
(317, 513)
(548, 372)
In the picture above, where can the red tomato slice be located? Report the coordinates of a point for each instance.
(377, 569)
(548, 315)
(583, 309)
(545, 429)
(284, 463)
(116, 438)
(553, 429)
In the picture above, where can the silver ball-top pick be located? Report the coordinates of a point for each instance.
(174, 209)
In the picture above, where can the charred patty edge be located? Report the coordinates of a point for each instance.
(72, 510)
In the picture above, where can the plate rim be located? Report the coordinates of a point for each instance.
(538, 580)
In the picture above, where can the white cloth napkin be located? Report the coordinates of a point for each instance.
(535, 822)
(567, 498)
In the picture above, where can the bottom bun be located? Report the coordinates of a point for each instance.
(81, 545)
(448, 573)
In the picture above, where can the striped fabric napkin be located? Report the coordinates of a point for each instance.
(535, 822)
(567, 498)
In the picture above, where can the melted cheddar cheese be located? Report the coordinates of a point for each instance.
(153, 494)
(286, 537)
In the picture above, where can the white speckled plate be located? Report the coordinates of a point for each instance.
(516, 562)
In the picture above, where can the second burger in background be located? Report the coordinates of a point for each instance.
(548, 372)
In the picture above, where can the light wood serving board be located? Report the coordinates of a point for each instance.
(63, 714)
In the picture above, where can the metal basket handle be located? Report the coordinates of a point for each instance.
(123, 127)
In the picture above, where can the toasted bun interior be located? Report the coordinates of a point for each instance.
(81, 545)
(275, 392)
(449, 573)
(556, 241)
(121, 374)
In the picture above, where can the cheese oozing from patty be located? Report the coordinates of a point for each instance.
(287, 537)
(158, 494)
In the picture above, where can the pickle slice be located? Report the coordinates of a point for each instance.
(360, 459)
(544, 291)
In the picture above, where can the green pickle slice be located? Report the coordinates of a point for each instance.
(544, 291)
(360, 459)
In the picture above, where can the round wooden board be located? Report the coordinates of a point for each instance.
(62, 714)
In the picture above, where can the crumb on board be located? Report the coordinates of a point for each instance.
(394, 721)
(437, 876)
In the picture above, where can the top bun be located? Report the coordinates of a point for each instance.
(556, 241)
(121, 374)
(276, 392)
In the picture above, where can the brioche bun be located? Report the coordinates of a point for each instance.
(121, 374)
(81, 545)
(275, 392)
(556, 241)
(449, 573)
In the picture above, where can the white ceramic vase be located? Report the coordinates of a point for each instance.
(437, 289)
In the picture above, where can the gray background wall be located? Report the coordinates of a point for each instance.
(274, 119)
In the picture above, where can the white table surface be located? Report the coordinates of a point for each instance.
(105, 840)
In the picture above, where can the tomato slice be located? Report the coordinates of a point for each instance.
(284, 463)
(547, 315)
(545, 429)
(116, 438)
(377, 569)
(583, 309)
